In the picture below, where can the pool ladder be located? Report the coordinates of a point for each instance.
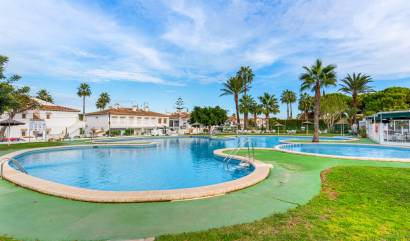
(250, 152)
(15, 162)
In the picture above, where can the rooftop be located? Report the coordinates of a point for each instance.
(127, 111)
(182, 115)
(48, 106)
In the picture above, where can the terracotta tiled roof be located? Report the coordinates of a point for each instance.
(56, 108)
(127, 111)
(182, 115)
(48, 106)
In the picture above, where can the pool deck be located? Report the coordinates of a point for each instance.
(260, 173)
(294, 180)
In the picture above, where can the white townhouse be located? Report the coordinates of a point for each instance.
(140, 121)
(179, 123)
(46, 121)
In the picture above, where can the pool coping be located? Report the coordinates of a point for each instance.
(280, 146)
(347, 140)
(260, 173)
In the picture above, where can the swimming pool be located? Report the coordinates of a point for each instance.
(176, 163)
(156, 172)
(356, 151)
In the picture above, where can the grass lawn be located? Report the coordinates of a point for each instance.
(359, 200)
(355, 203)
(14, 147)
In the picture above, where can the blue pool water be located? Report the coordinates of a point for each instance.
(173, 163)
(352, 150)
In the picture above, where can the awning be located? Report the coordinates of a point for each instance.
(394, 115)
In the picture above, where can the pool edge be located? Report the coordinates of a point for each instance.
(280, 146)
(260, 173)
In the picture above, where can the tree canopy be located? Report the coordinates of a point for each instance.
(208, 116)
(179, 104)
(13, 99)
(389, 99)
(43, 94)
(103, 101)
(333, 107)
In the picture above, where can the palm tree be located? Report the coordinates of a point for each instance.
(315, 78)
(305, 104)
(246, 73)
(288, 97)
(269, 104)
(84, 91)
(103, 101)
(245, 104)
(234, 86)
(355, 85)
(256, 109)
(44, 95)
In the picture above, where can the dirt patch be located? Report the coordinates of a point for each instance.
(331, 194)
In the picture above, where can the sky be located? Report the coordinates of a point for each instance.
(156, 51)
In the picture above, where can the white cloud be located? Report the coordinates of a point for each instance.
(63, 39)
(205, 41)
(103, 74)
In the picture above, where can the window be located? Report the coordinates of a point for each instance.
(23, 116)
(159, 120)
(23, 132)
(48, 115)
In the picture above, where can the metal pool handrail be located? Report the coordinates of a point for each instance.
(250, 148)
(15, 162)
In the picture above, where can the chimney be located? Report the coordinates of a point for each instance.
(134, 108)
(146, 108)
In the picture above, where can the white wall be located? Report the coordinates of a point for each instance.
(123, 122)
(98, 122)
(56, 124)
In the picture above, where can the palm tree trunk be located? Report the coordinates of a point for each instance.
(255, 118)
(291, 114)
(354, 105)
(245, 120)
(83, 107)
(316, 114)
(245, 114)
(267, 121)
(238, 119)
(287, 110)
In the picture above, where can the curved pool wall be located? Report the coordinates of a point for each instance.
(165, 168)
(260, 172)
(349, 151)
(130, 168)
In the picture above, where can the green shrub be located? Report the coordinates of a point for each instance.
(114, 133)
(362, 132)
(129, 132)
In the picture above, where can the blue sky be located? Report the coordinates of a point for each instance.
(155, 51)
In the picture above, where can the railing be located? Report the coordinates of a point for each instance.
(289, 146)
(250, 152)
(15, 162)
(73, 128)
